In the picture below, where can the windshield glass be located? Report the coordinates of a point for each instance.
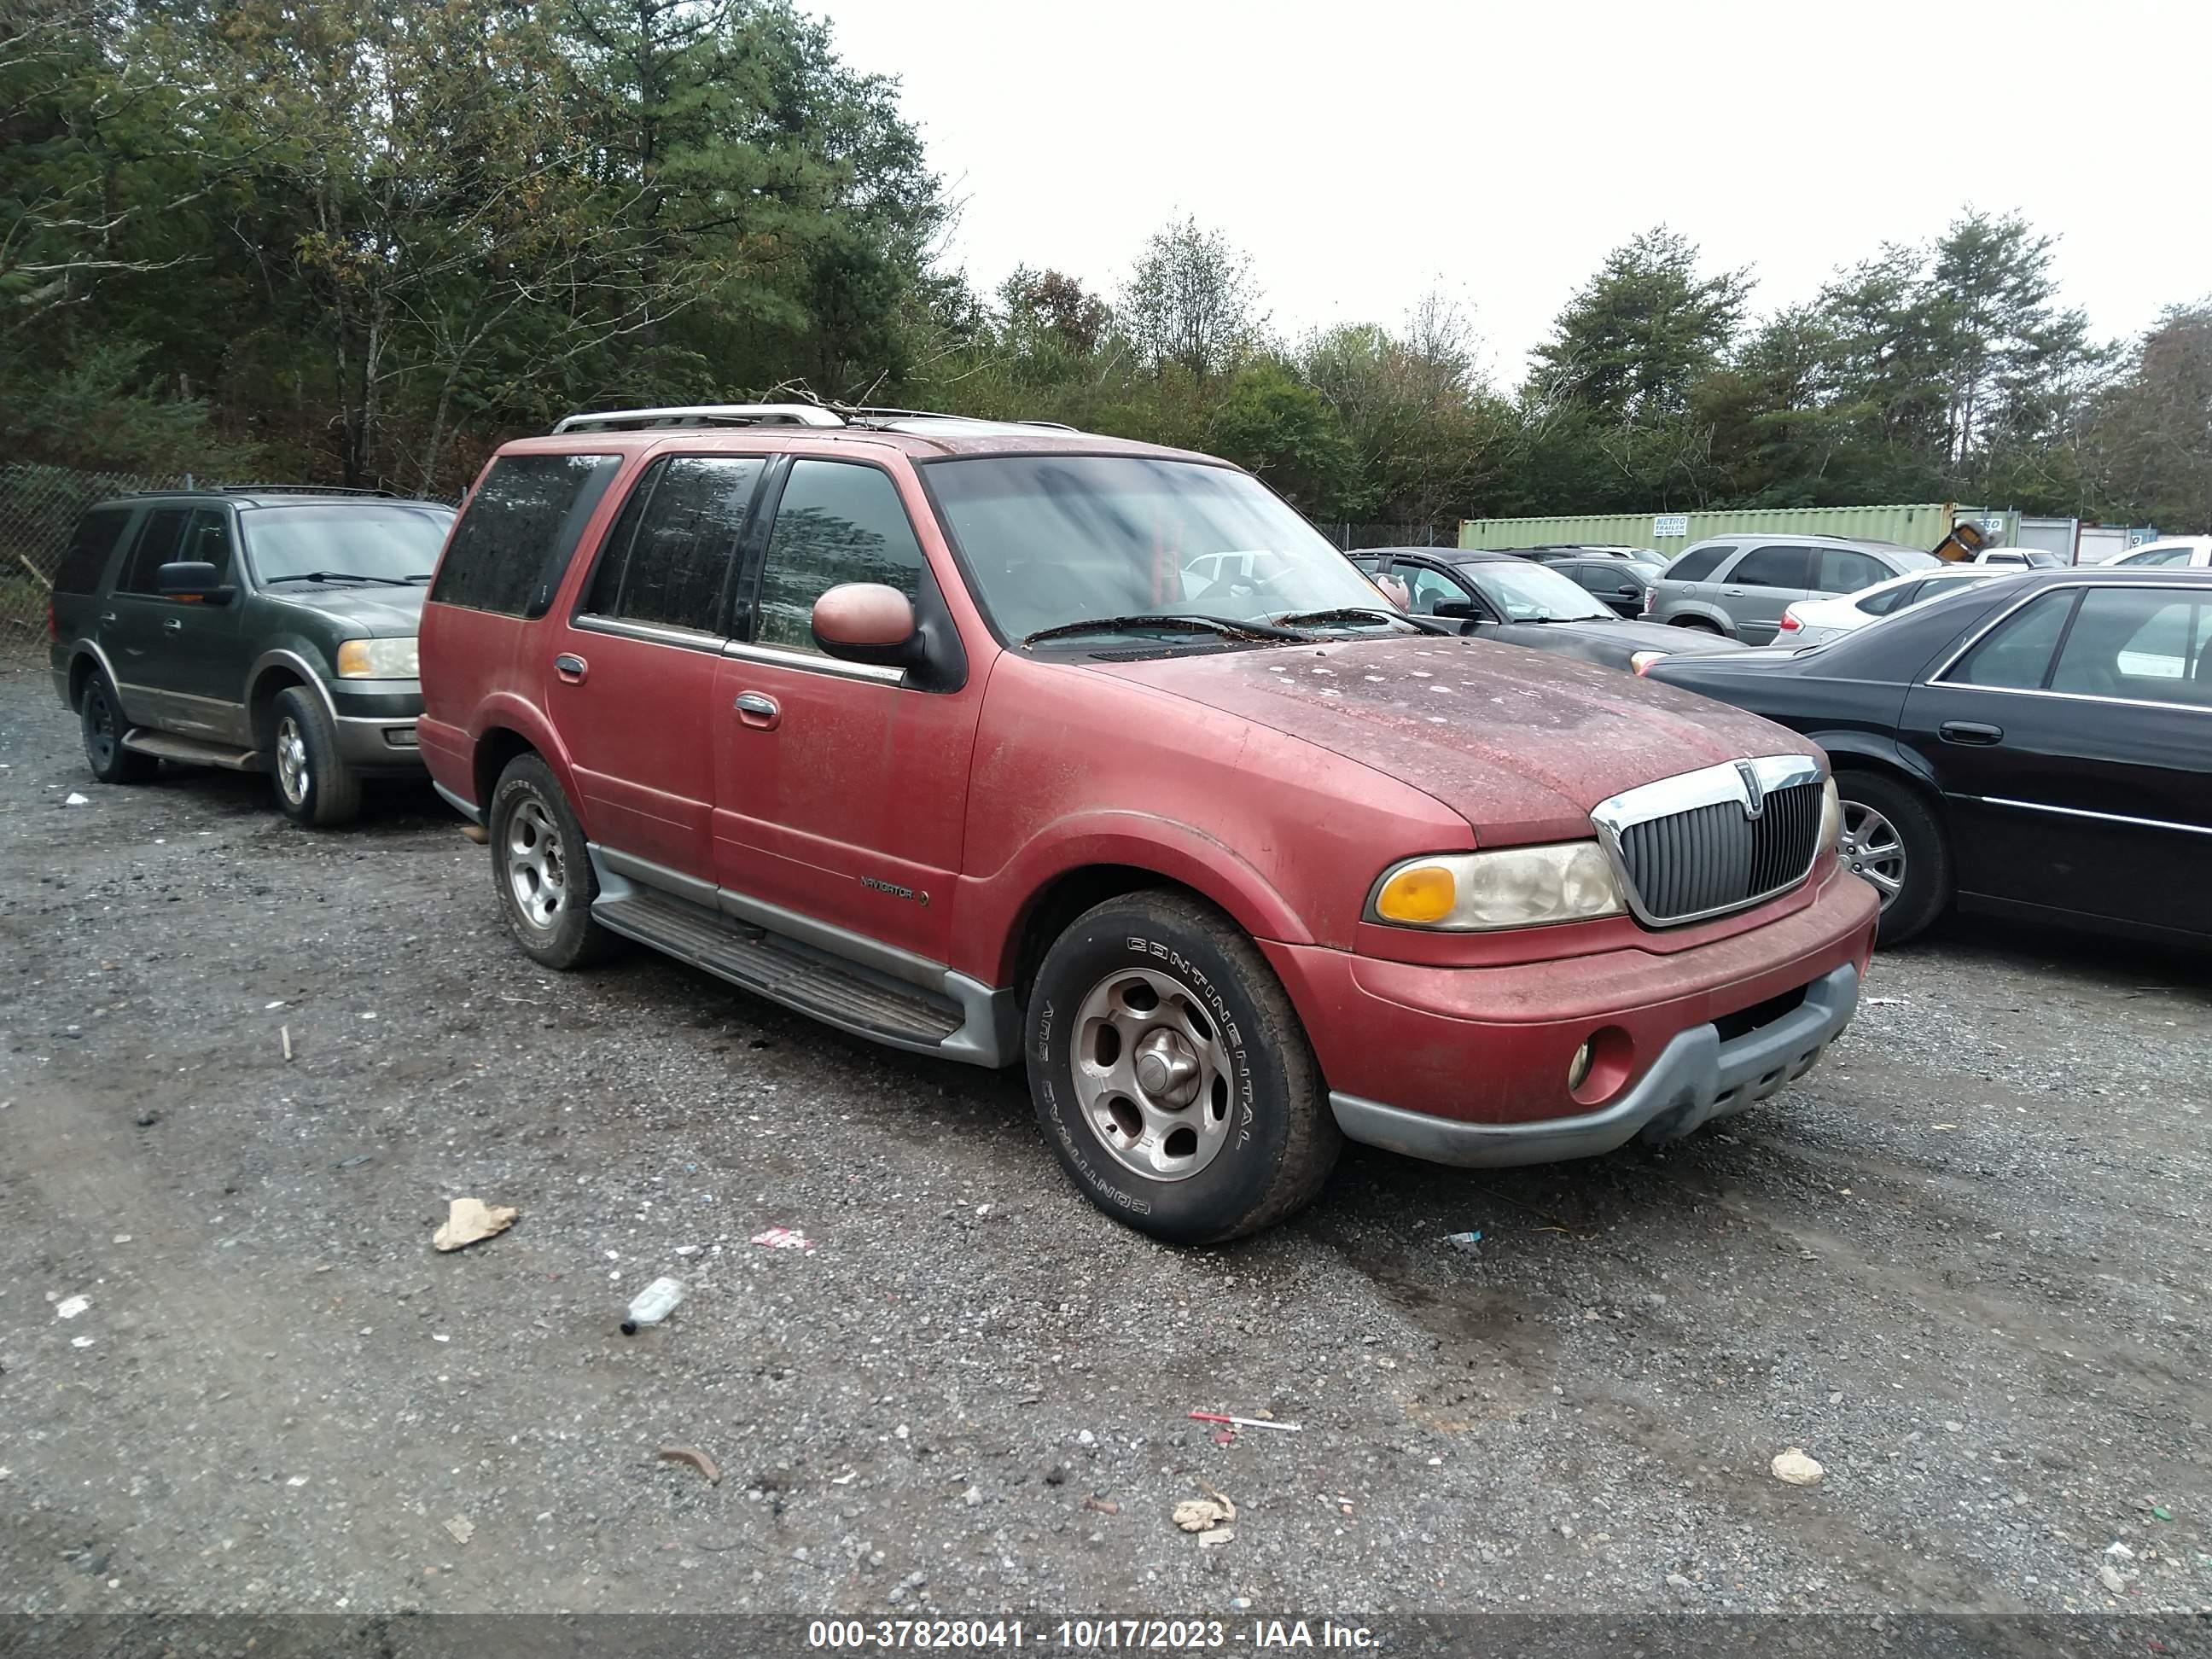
(1050, 540)
(394, 543)
(1534, 592)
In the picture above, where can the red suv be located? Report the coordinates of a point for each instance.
(1017, 745)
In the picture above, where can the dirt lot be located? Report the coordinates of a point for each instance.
(1964, 1265)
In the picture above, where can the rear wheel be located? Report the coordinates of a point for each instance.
(1893, 840)
(1698, 624)
(101, 715)
(1171, 1075)
(542, 869)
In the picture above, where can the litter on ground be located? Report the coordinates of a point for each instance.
(783, 1238)
(470, 1220)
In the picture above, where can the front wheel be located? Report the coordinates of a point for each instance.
(314, 785)
(1893, 840)
(1171, 1075)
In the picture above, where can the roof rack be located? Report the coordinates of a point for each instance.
(629, 420)
(299, 489)
(876, 413)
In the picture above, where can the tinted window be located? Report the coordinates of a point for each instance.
(1890, 598)
(1426, 589)
(207, 541)
(1697, 564)
(835, 523)
(90, 543)
(2016, 655)
(1842, 571)
(515, 540)
(159, 538)
(1775, 567)
(2138, 642)
(675, 543)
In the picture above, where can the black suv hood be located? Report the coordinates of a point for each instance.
(1609, 641)
(368, 608)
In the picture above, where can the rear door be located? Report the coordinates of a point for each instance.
(841, 791)
(1761, 585)
(2071, 741)
(632, 684)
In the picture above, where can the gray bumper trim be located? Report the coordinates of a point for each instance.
(1696, 1078)
(466, 809)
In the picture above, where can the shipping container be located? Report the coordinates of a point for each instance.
(1921, 525)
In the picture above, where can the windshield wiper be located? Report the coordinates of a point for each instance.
(1361, 613)
(421, 576)
(1227, 626)
(338, 576)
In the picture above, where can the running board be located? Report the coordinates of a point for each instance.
(192, 752)
(840, 994)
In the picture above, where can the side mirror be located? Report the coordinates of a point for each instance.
(193, 579)
(1457, 610)
(870, 622)
(1630, 591)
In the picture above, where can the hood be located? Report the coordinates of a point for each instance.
(1610, 641)
(371, 609)
(1520, 744)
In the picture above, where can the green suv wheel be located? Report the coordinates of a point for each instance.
(101, 716)
(313, 785)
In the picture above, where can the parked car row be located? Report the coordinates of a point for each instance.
(1019, 746)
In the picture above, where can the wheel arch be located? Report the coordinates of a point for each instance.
(274, 672)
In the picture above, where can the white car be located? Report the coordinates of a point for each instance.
(2018, 558)
(2171, 553)
(1815, 621)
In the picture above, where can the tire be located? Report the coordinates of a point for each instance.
(1252, 1141)
(313, 786)
(541, 870)
(100, 717)
(1701, 625)
(1893, 837)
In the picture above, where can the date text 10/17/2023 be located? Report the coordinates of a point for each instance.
(1085, 1635)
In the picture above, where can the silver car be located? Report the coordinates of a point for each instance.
(1739, 585)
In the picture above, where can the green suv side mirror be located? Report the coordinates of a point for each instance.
(193, 579)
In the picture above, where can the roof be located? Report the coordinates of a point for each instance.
(275, 496)
(915, 433)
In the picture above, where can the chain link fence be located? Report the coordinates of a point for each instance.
(1351, 537)
(38, 506)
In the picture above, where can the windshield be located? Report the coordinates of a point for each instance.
(1053, 540)
(1534, 592)
(388, 543)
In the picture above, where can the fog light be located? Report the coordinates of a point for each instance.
(1578, 1068)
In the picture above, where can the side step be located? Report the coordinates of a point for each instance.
(192, 751)
(781, 969)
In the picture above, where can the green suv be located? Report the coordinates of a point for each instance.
(264, 629)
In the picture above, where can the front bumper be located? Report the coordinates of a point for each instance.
(1697, 1076)
(375, 723)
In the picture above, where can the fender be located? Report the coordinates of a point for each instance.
(510, 709)
(988, 924)
(1886, 752)
(292, 654)
(86, 647)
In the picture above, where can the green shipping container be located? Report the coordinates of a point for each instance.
(1920, 525)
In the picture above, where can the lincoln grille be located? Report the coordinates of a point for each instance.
(1713, 858)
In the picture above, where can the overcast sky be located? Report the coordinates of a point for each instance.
(1365, 152)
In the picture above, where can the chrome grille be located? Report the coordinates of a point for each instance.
(1716, 840)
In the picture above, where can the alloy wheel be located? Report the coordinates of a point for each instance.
(1870, 845)
(292, 774)
(1152, 1074)
(536, 864)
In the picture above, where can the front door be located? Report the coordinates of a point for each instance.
(168, 653)
(2070, 742)
(630, 679)
(840, 793)
(1763, 584)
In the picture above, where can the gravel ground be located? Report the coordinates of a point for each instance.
(1963, 1265)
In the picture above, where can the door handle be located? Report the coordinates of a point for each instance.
(1733, 593)
(571, 667)
(175, 624)
(107, 616)
(758, 708)
(1970, 732)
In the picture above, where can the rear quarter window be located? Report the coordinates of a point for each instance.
(85, 559)
(518, 533)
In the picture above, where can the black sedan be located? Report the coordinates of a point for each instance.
(2038, 745)
(1500, 596)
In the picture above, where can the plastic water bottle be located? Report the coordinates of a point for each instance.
(653, 1304)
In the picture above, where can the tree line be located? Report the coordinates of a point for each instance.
(365, 242)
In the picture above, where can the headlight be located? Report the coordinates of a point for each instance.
(378, 659)
(1513, 887)
(1832, 816)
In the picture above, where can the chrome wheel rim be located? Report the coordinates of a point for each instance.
(292, 760)
(537, 864)
(1151, 1075)
(1872, 849)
